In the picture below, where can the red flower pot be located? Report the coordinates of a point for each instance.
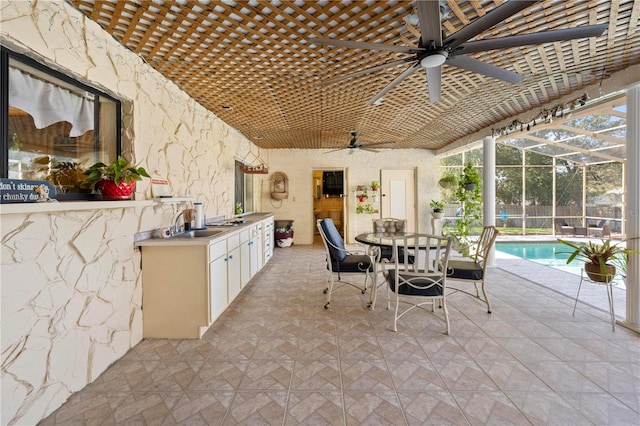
(111, 191)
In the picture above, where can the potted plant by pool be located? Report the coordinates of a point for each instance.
(437, 209)
(115, 181)
(599, 258)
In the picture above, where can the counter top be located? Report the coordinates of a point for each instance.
(225, 231)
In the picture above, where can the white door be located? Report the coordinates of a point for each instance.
(398, 195)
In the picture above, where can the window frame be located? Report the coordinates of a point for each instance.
(5, 56)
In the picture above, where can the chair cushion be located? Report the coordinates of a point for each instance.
(353, 263)
(433, 290)
(333, 236)
(465, 270)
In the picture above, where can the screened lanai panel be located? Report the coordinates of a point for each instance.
(596, 123)
(584, 158)
(618, 133)
(551, 150)
(554, 135)
(521, 143)
(589, 143)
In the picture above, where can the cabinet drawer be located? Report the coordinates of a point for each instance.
(244, 235)
(233, 241)
(217, 249)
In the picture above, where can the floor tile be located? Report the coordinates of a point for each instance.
(278, 357)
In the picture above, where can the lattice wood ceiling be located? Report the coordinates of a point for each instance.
(254, 58)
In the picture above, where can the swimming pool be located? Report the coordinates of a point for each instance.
(549, 253)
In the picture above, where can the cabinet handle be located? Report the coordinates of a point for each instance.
(231, 257)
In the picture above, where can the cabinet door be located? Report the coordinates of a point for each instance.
(245, 263)
(267, 241)
(233, 273)
(217, 287)
(256, 239)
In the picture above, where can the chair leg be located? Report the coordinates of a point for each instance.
(395, 315)
(486, 298)
(446, 316)
(329, 290)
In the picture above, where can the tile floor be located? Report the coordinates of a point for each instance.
(277, 357)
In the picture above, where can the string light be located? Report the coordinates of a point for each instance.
(546, 115)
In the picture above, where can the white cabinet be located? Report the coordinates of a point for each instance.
(217, 279)
(245, 258)
(267, 240)
(255, 249)
(186, 285)
(234, 278)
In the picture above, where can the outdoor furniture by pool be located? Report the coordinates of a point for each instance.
(581, 231)
(342, 262)
(564, 228)
(420, 279)
(474, 270)
(600, 230)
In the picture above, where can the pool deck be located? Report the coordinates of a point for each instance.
(562, 282)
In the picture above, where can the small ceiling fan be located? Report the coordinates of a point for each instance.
(355, 144)
(433, 50)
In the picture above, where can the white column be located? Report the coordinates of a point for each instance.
(489, 189)
(632, 319)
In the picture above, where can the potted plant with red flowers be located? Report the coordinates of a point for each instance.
(115, 181)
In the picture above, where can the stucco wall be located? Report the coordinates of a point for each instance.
(361, 168)
(71, 281)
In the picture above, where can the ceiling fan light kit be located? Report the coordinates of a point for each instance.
(435, 49)
(434, 60)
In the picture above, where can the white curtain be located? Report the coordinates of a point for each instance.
(48, 103)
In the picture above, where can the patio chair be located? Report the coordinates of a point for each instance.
(564, 228)
(388, 225)
(474, 270)
(601, 229)
(340, 261)
(420, 282)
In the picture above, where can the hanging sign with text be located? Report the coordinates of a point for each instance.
(25, 191)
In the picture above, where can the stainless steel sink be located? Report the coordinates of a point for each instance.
(200, 233)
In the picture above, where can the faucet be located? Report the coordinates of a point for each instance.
(175, 229)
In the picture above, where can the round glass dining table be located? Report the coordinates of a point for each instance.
(381, 239)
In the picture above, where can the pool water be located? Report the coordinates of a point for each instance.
(550, 254)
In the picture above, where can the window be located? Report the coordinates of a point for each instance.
(53, 127)
(243, 190)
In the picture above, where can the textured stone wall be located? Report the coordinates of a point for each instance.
(71, 281)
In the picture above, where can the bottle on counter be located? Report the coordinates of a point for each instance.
(199, 216)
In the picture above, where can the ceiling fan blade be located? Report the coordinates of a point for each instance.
(363, 72)
(365, 45)
(495, 16)
(364, 148)
(413, 68)
(334, 150)
(470, 64)
(434, 83)
(429, 17)
(529, 39)
(367, 145)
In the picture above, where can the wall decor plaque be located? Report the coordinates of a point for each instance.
(26, 191)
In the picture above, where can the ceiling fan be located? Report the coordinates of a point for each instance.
(355, 144)
(433, 50)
